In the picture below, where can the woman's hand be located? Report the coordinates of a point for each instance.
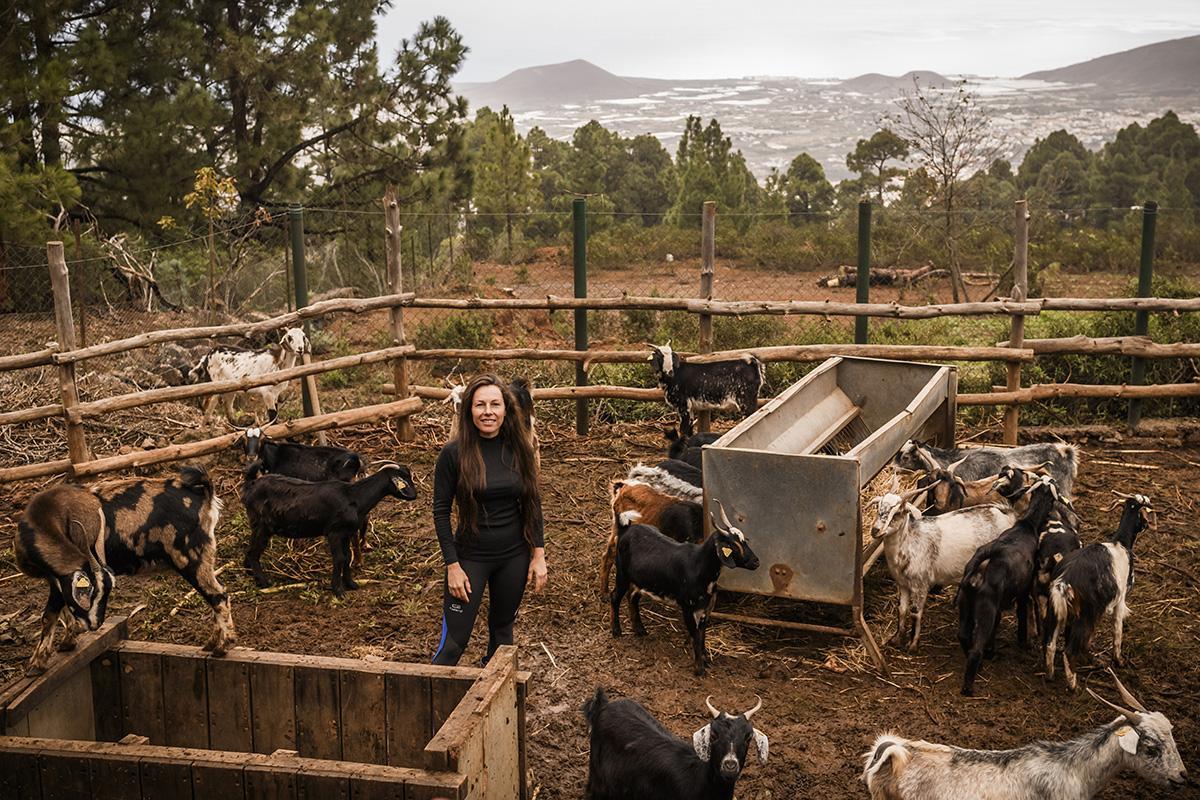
(536, 579)
(459, 584)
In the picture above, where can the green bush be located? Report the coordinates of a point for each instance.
(464, 331)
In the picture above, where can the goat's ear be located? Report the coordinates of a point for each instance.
(916, 512)
(1127, 737)
(701, 740)
(761, 745)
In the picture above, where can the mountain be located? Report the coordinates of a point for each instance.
(874, 83)
(552, 84)
(1163, 68)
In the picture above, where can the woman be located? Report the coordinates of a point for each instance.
(489, 470)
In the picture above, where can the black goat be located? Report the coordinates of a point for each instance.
(711, 386)
(1058, 540)
(78, 539)
(634, 502)
(999, 574)
(679, 445)
(650, 563)
(277, 505)
(1090, 583)
(972, 463)
(634, 756)
(306, 462)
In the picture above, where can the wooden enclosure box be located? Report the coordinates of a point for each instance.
(129, 720)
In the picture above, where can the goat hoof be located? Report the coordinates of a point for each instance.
(33, 672)
(351, 585)
(262, 582)
(639, 631)
(967, 691)
(65, 647)
(912, 647)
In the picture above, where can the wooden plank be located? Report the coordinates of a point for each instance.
(445, 696)
(409, 713)
(364, 727)
(522, 741)
(272, 707)
(62, 667)
(453, 787)
(67, 713)
(165, 778)
(229, 705)
(65, 776)
(20, 775)
(106, 698)
(185, 702)
(499, 744)
(318, 722)
(270, 782)
(218, 781)
(142, 696)
(18, 727)
(322, 784)
(114, 777)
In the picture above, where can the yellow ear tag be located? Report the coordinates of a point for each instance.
(82, 582)
(727, 552)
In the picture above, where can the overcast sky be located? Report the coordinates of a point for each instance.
(842, 38)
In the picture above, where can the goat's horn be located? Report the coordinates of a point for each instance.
(1115, 504)
(1121, 495)
(1126, 695)
(724, 516)
(754, 710)
(711, 709)
(911, 493)
(1133, 717)
(926, 458)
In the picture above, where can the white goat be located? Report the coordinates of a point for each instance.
(228, 363)
(931, 551)
(907, 769)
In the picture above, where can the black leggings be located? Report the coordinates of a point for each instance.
(506, 580)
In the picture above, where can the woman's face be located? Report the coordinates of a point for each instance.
(487, 410)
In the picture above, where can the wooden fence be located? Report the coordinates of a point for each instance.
(64, 356)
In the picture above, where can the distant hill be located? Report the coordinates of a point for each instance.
(873, 82)
(1163, 68)
(553, 84)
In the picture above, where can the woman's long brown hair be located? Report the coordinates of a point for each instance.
(472, 475)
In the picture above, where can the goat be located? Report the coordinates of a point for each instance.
(681, 446)
(999, 574)
(671, 477)
(633, 755)
(712, 386)
(232, 363)
(78, 539)
(926, 551)
(306, 462)
(907, 769)
(1060, 460)
(635, 502)
(949, 492)
(1091, 583)
(650, 563)
(277, 505)
(1057, 541)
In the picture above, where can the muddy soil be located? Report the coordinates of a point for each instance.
(823, 702)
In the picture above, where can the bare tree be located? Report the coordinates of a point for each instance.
(951, 136)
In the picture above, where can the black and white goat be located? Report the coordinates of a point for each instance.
(910, 769)
(633, 755)
(927, 551)
(1091, 583)
(1061, 461)
(232, 363)
(277, 505)
(999, 575)
(650, 563)
(78, 539)
(731, 385)
(671, 477)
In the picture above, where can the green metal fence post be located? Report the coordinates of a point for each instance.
(1141, 325)
(862, 278)
(579, 213)
(300, 281)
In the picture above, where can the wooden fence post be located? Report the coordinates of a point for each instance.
(708, 255)
(391, 208)
(1016, 337)
(60, 282)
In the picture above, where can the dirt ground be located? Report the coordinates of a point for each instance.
(822, 700)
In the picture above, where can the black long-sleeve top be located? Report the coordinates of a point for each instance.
(499, 506)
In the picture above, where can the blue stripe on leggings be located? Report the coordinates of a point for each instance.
(442, 643)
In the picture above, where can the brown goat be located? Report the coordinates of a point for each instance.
(636, 503)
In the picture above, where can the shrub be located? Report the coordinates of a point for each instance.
(470, 331)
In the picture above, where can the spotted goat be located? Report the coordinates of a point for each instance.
(78, 539)
(730, 385)
(233, 363)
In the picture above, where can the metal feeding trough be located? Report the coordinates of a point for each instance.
(790, 476)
